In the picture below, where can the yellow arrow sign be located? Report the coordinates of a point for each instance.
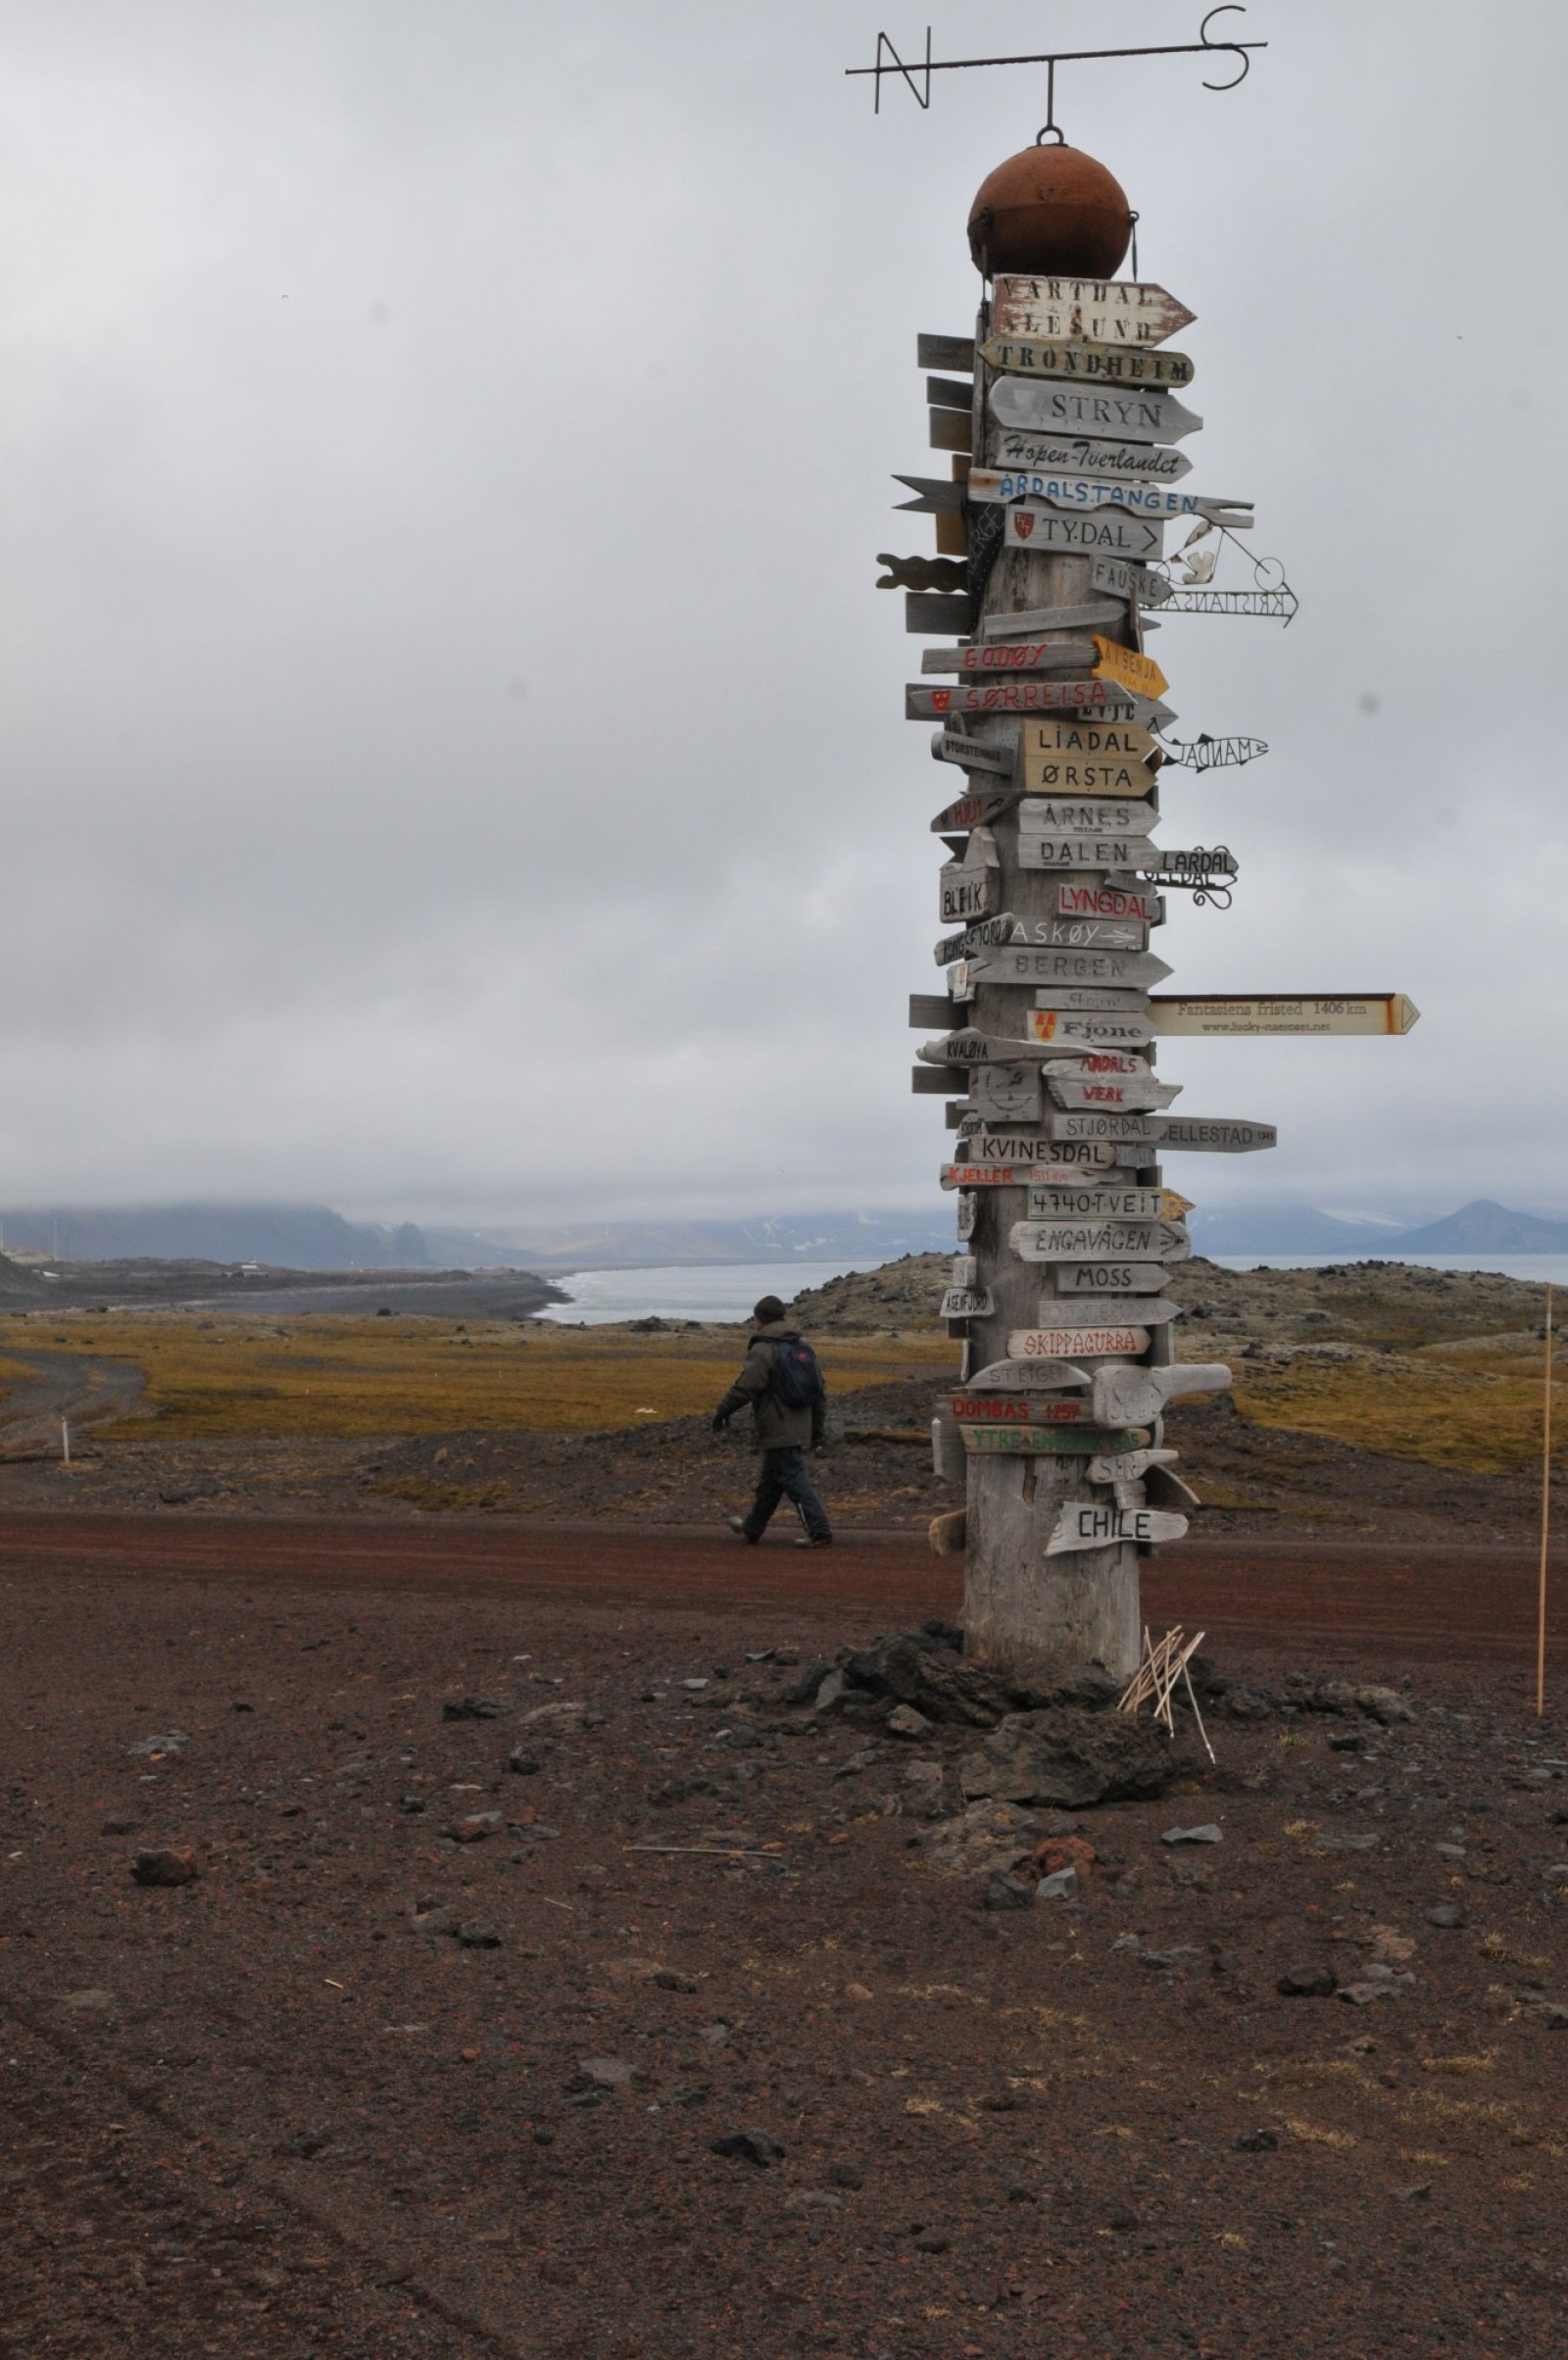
(1141, 673)
(1350, 1012)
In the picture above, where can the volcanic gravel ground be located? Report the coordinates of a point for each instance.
(269, 2112)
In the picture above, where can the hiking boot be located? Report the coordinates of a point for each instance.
(737, 1524)
(815, 1540)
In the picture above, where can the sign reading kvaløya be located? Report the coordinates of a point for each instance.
(1084, 1525)
(1106, 1343)
(1128, 413)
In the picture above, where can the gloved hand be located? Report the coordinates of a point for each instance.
(721, 1425)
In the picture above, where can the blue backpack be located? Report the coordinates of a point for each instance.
(797, 1377)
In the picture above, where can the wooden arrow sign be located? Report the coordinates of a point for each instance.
(1072, 1240)
(1080, 1000)
(1088, 311)
(1086, 1122)
(1116, 1093)
(1087, 774)
(1098, 1202)
(1133, 1397)
(1129, 413)
(970, 1046)
(1059, 489)
(1077, 812)
(1015, 449)
(1035, 619)
(1039, 1156)
(1094, 1032)
(1106, 1343)
(1107, 533)
(1128, 1467)
(1351, 1012)
(985, 1175)
(1090, 738)
(1005, 1094)
(1027, 1376)
(1128, 970)
(1086, 852)
(1081, 1525)
(1056, 1310)
(967, 811)
(965, 1302)
(1110, 900)
(973, 753)
(1094, 363)
(1130, 671)
(996, 656)
(1004, 697)
(1216, 1136)
(972, 1407)
(1041, 933)
(1043, 1441)
(1103, 1279)
(971, 887)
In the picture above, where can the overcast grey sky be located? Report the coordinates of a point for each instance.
(453, 750)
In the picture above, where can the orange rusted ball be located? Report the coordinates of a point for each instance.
(1051, 209)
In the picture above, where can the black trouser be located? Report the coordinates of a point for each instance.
(783, 1476)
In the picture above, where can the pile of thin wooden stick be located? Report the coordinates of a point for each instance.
(1162, 1664)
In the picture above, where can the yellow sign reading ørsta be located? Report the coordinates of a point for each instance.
(1141, 673)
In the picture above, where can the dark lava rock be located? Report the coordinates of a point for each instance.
(523, 1763)
(1349, 1740)
(170, 1864)
(1447, 1913)
(1008, 1893)
(119, 1827)
(808, 1679)
(1258, 2143)
(751, 2145)
(1308, 1983)
(931, 2240)
(475, 1708)
(1122, 2219)
(477, 1936)
(668, 1980)
(845, 2175)
(1068, 1757)
(1245, 1703)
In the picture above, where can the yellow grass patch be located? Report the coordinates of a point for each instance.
(323, 1374)
(1315, 2134)
(1470, 1410)
(1458, 2065)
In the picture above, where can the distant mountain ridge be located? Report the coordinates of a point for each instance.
(1481, 1227)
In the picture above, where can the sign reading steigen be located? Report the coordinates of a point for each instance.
(1064, 478)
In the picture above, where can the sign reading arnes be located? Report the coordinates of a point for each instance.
(1130, 413)
(1120, 312)
(1268, 1012)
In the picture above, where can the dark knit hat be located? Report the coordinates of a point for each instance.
(769, 1310)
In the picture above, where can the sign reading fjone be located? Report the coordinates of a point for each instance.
(1063, 479)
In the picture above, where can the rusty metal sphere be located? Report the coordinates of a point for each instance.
(1051, 209)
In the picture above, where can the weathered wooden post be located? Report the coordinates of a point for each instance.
(1062, 416)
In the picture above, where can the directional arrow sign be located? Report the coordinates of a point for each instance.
(970, 1046)
(1130, 971)
(1074, 813)
(1035, 619)
(972, 887)
(1005, 1094)
(1109, 1278)
(1086, 852)
(1071, 1241)
(1094, 1032)
(1135, 1396)
(967, 811)
(1013, 448)
(1044, 933)
(972, 1409)
(1106, 1342)
(1119, 312)
(1130, 671)
(987, 1175)
(1128, 1467)
(1129, 412)
(1102, 534)
(1110, 900)
(1086, 1122)
(1351, 1012)
(1040, 1442)
(995, 656)
(1118, 1094)
(1098, 1202)
(922, 704)
(1027, 1376)
(1080, 1000)
(973, 753)
(1064, 1314)
(1091, 739)
(965, 1302)
(1087, 774)
(1059, 489)
(1216, 1134)
(1033, 1153)
(1097, 364)
(1081, 1524)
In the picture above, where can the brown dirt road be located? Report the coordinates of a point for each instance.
(1463, 1603)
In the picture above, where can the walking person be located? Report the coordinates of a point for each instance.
(782, 1383)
